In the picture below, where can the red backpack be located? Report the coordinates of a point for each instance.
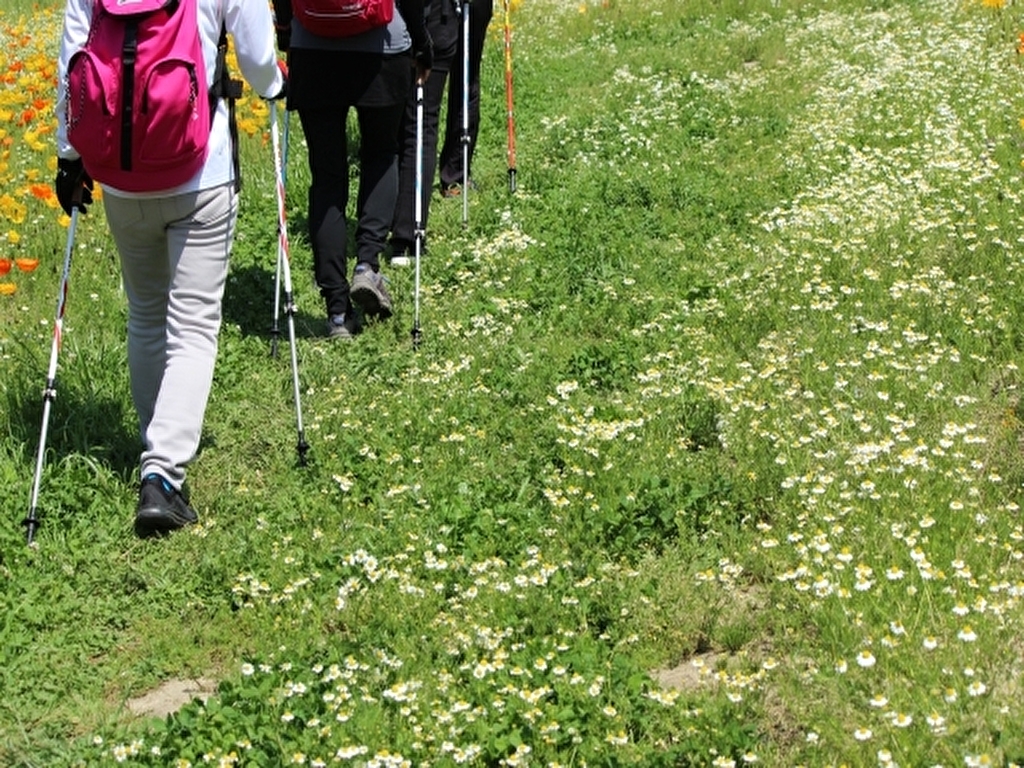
(342, 18)
(138, 106)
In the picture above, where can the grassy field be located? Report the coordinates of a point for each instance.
(711, 454)
(15, 10)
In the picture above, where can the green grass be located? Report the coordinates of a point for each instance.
(711, 451)
(16, 9)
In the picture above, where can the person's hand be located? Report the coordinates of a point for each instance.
(283, 93)
(72, 185)
(424, 61)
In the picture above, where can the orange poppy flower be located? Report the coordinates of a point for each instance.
(42, 192)
(5, 266)
(27, 265)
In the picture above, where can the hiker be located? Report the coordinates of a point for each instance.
(451, 174)
(329, 75)
(173, 240)
(444, 24)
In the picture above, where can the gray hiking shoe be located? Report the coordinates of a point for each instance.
(369, 292)
(342, 327)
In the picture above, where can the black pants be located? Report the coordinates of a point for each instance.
(379, 104)
(480, 12)
(404, 225)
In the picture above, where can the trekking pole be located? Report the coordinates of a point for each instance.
(508, 103)
(275, 331)
(465, 112)
(283, 259)
(31, 522)
(418, 210)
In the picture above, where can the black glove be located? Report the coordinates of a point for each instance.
(73, 185)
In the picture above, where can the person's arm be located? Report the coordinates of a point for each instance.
(72, 184)
(414, 14)
(283, 24)
(77, 18)
(252, 27)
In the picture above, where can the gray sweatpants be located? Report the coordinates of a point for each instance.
(174, 260)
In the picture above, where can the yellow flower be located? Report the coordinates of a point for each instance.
(32, 139)
(12, 209)
(248, 126)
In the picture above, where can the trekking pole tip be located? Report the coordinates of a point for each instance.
(31, 524)
(302, 448)
(416, 337)
(512, 180)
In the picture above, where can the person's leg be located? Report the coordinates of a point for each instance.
(378, 194)
(402, 222)
(138, 231)
(378, 179)
(174, 260)
(404, 225)
(200, 231)
(432, 97)
(479, 20)
(480, 12)
(450, 159)
(326, 139)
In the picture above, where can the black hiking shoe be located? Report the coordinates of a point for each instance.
(161, 509)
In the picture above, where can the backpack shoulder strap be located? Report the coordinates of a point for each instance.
(226, 87)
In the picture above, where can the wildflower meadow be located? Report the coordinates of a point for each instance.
(711, 453)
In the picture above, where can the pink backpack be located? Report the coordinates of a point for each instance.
(342, 18)
(138, 106)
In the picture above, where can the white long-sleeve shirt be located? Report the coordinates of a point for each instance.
(251, 26)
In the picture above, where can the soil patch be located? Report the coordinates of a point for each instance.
(171, 696)
(689, 675)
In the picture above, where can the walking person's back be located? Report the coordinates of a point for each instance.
(174, 241)
(370, 72)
